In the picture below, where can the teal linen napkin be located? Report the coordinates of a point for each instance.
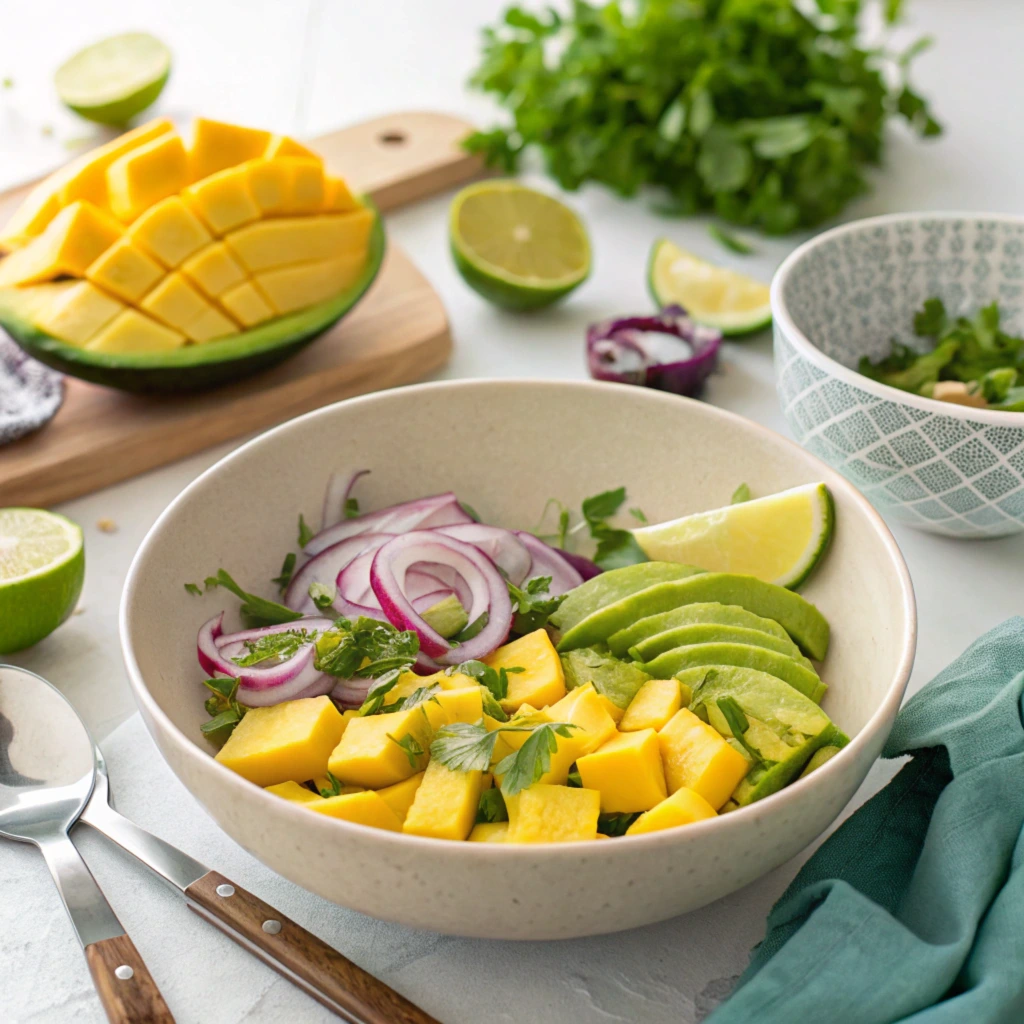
(913, 910)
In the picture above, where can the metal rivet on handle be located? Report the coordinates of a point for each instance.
(124, 972)
(271, 927)
(225, 890)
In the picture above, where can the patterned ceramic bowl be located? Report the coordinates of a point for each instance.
(847, 293)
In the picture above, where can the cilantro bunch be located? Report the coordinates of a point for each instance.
(764, 111)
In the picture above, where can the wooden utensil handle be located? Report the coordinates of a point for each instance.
(300, 956)
(125, 986)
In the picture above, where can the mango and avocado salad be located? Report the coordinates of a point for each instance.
(657, 696)
(152, 244)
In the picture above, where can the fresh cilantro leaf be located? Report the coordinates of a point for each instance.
(491, 707)
(996, 384)
(221, 726)
(365, 648)
(603, 505)
(305, 533)
(224, 709)
(411, 747)
(193, 588)
(561, 534)
(639, 515)
(323, 594)
(287, 568)
(932, 321)
(351, 508)
(470, 511)
(335, 786)
(464, 747)
(531, 605)
(256, 610)
(522, 768)
(492, 806)
(615, 824)
(730, 241)
(274, 646)
(494, 680)
(376, 694)
(574, 780)
(471, 630)
(740, 495)
(615, 547)
(418, 696)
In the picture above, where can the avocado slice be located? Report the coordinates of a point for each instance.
(192, 367)
(617, 680)
(709, 632)
(688, 615)
(781, 727)
(613, 586)
(818, 758)
(447, 617)
(800, 619)
(790, 671)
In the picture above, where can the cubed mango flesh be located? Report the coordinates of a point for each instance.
(338, 197)
(683, 807)
(445, 804)
(585, 708)
(697, 757)
(32, 216)
(489, 832)
(223, 200)
(268, 244)
(145, 175)
(132, 331)
(400, 796)
(213, 270)
(371, 752)
(125, 270)
(170, 232)
(246, 304)
(365, 808)
(295, 792)
(283, 742)
(304, 284)
(627, 772)
(464, 705)
(209, 326)
(287, 185)
(284, 145)
(552, 814)
(217, 144)
(78, 313)
(307, 185)
(652, 706)
(541, 681)
(175, 302)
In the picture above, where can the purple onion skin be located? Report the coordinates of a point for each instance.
(584, 566)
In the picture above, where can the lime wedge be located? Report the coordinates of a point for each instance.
(518, 248)
(716, 296)
(778, 539)
(114, 79)
(42, 567)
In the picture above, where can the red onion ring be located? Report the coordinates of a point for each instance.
(502, 547)
(327, 566)
(547, 561)
(488, 592)
(584, 566)
(339, 487)
(351, 693)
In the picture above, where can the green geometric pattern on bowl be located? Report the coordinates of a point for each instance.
(958, 473)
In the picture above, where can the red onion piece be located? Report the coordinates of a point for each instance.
(423, 513)
(488, 592)
(339, 487)
(621, 351)
(502, 547)
(584, 566)
(547, 561)
(351, 693)
(327, 566)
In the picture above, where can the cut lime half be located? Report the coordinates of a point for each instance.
(716, 296)
(114, 79)
(42, 567)
(518, 248)
(778, 539)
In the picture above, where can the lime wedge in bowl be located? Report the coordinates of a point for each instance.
(518, 248)
(114, 79)
(778, 539)
(712, 295)
(42, 567)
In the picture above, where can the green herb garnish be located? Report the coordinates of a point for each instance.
(495, 680)
(335, 786)
(193, 588)
(524, 767)
(258, 611)
(532, 604)
(492, 806)
(730, 241)
(411, 747)
(287, 568)
(224, 709)
(418, 696)
(740, 495)
(274, 646)
(615, 824)
(615, 547)
(305, 533)
(491, 707)
(351, 508)
(322, 594)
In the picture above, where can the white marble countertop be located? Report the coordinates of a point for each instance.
(306, 66)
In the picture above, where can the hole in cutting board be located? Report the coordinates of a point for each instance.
(392, 138)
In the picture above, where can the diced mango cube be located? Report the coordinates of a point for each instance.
(652, 707)
(465, 705)
(283, 742)
(213, 270)
(541, 682)
(407, 684)
(400, 796)
(71, 242)
(145, 175)
(338, 197)
(223, 200)
(32, 216)
(697, 757)
(124, 270)
(175, 302)
(683, 807)
(287, 185)
(277, 243)
(294, 791)
(132, 331)
(455, 681)
(380, 750)
(246, 304)
(170, 232)
(216, 145)
(307, 186)
(366, 808)
(210, 326)
(445, 804)
(613, 709)
(489, 832)
(627, 772)
(552, 814)
(78, 313)
(283, 145)
(304, 284)
(585, 708)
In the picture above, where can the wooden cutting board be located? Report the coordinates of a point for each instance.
(397, 334)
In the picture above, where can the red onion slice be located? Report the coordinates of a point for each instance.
(351, 693)
(339, 487)
(502, 547)
(549, 562)
(327, 566)
(584, 566)
(438, 510)
(488, 592)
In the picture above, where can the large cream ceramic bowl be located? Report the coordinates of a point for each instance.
(506, 447)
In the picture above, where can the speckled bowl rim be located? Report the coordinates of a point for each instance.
(775, 804)
(784, 322)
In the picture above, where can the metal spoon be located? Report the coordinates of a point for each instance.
(46, 778)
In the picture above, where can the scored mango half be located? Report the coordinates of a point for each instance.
(164, 243)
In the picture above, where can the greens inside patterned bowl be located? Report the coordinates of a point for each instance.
(846, 296)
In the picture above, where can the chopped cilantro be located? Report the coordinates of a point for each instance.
(615, 547)
(305, 533)
(287, 568)
(274, 646)
(492, 806)
(323, 595)
(615, 824)
(258, 611)
(193, 588)
(335, 786)
(740, 495)
(411, 747)
(224, 709)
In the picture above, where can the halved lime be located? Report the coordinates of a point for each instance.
(114, 79)
(517, 247)
(42, 567)
(778, 539)
(716, 296)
